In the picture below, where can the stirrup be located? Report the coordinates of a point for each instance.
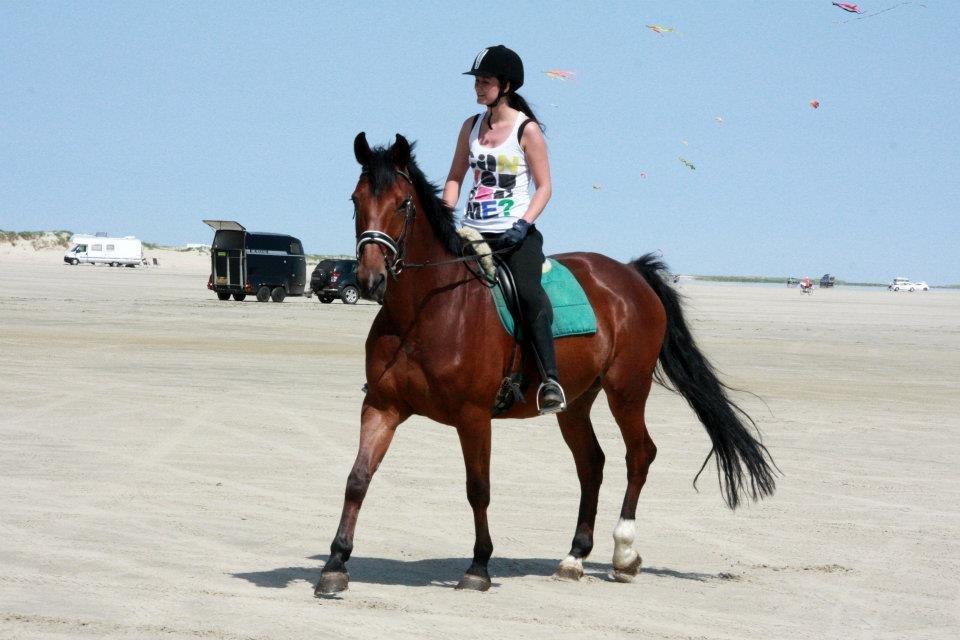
(556, 408)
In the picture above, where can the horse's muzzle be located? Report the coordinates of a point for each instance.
(373, 287)
(372, 272)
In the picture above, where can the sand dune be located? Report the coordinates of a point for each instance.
(172, 466)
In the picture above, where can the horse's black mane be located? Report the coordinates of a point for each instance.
(382, 173)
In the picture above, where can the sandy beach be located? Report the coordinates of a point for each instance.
(173, 466)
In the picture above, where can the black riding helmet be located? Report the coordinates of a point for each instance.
(501, 63)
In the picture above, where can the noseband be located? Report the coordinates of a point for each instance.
(396, 247)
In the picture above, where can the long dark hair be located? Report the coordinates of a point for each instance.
(516, 101)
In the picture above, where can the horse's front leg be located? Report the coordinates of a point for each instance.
(376, 431)
(475, 443)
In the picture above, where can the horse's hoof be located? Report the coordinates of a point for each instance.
(627, 573)
(332, 582)
(473, 583)
(570, 569)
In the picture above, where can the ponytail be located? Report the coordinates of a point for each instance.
(516, 101)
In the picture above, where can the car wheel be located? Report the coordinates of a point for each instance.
(896, 288)
(350, 295)
(325, 299)
(911, 289)
(278, 294)
(239, 296)
(223, 295)
(263, 293)
(74, 261)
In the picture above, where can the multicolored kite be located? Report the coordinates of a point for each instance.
(815, 104)
(660, 30)
(560, 74)
(846, 6)
(688, 164)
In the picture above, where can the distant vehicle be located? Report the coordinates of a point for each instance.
(271, 265)
(904, 284)
(792, 282)
(335, 279)
(827, 281)
(116, 252)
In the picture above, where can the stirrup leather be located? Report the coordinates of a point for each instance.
(563, 396)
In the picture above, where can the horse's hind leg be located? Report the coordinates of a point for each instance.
(578, 433)
(628, 407)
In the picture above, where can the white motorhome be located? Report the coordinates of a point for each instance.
(126, 251)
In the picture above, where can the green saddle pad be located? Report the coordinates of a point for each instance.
(572, 313)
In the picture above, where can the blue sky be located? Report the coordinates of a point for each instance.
(143, 118)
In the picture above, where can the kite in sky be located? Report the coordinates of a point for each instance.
(597, 186)
(718, 120)
(846, 6)
(815, 104)
(687, 164)
(643, 175)
(560, 74)
(852, 8)
(660, 30)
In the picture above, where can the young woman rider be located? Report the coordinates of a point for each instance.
(505, 155)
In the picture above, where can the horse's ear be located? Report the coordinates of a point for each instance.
(361, 149)
(400, 152)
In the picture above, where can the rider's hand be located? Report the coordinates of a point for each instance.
(515, 234)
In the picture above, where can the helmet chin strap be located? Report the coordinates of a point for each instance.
(501, 94)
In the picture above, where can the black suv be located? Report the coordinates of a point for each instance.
(335, 279)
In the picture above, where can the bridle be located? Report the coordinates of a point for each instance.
(396, 247)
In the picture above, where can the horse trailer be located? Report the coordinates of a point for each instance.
(270, 265)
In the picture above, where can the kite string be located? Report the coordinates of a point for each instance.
(896, 6)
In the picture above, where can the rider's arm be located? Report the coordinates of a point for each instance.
(535, 151)
(459, 166)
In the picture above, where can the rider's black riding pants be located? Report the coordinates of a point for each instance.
(526, 263)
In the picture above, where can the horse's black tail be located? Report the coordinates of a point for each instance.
(693, 377)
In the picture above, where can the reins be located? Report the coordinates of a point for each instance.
(398, 247)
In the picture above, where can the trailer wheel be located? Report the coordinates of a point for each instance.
(349, 295)
(239, 296)
(223, 295)
(278, 294)
(263, 293)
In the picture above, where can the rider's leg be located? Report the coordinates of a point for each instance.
(526, 263)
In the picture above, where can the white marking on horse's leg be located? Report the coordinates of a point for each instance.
(570, 568)
(625, 559)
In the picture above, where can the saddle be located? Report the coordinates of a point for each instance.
(572, 313)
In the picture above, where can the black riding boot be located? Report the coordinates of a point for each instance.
(550, 396)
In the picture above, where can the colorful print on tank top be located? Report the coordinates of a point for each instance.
(499, 196)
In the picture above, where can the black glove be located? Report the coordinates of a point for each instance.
(515, 234)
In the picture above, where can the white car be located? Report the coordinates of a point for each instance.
(904, 284)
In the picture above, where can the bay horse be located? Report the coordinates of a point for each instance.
(437, 315)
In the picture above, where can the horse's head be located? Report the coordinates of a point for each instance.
(384, 207)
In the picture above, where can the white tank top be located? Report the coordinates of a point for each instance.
(500, 179)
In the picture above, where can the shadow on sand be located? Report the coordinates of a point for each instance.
(445, 571)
